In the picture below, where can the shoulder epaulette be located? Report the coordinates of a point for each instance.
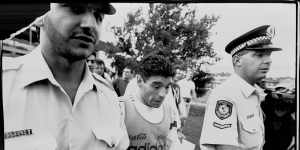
(11, 63)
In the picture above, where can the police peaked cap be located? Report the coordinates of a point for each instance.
(108, 8)
(104, 6)
(258, 39)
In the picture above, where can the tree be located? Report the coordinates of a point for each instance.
(173, 28)
(120, 62)
(201, 80)
(108, 48)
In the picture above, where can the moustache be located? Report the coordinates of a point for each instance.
(85, 35)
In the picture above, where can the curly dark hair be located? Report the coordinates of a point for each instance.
(155, 65)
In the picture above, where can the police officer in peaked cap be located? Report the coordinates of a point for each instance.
(233, 117)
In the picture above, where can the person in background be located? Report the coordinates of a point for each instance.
(120, 84)
(175, 91)
(97, 66)
(187, 90)
(233, 117)
(279, 108)
(178, 75)
(149, 120)
(51, 100)
(102, 70)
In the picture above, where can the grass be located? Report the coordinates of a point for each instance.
(193, 126)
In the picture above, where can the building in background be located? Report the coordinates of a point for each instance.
(22, 43)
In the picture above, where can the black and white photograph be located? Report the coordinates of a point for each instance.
(150, 76)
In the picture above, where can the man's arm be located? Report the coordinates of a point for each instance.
(193, 92)
(220, 124)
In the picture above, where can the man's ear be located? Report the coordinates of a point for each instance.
(237, 60)
(139, 79)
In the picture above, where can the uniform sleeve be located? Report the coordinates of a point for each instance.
(124, 142)
(220, 123)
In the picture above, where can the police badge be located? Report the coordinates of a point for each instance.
(223, 109)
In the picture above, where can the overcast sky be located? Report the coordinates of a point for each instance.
(236, 19)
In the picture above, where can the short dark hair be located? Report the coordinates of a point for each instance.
(94, 54)
(99, 61)
(155, 65)
(238, 55)
(127, 68)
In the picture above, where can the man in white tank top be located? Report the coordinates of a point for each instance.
(149, 121)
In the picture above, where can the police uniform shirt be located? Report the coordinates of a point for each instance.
(38, 113)
(233, 117)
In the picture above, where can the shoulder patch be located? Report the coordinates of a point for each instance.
(223, 109)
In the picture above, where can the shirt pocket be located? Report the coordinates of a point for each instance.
(251, 132)
(251, 126)
(106, 137)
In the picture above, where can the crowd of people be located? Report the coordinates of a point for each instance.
(60, 96)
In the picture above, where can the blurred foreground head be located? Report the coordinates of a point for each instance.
(73, 29)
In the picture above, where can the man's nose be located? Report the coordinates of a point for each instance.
(89, 20)
(163, 92)
(268, 59)
(89, 62)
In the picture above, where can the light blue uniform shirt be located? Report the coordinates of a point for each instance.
(233, 117)
(33, 99)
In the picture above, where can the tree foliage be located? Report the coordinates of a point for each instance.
(201, 80)
(173, 28)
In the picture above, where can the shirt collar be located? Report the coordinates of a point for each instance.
(260, 92)
(88, 82)
(35, 68)
(244, 86)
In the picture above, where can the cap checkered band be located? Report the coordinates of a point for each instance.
(258, 40)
